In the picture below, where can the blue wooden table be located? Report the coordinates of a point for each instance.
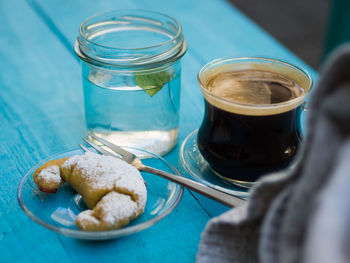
(41, 113)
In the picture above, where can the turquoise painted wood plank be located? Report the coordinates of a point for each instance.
(25, 98)
(213, 29)
(41, 112)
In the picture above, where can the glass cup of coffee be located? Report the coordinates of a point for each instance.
(251, 125)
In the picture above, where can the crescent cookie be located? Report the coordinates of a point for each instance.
(47, 176)
(113, 190)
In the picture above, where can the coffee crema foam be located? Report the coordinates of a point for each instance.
(256, 92)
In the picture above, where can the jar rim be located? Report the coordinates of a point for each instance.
(170, 49)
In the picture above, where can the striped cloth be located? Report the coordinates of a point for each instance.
(303, 216)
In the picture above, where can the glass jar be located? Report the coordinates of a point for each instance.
(131, 77)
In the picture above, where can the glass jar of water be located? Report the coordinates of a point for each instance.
(131, 77)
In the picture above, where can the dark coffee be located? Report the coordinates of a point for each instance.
(243, 142)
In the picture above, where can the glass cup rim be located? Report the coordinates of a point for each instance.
(126, 11)
(295, 101)
(160, 53)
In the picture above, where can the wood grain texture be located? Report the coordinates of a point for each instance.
(41, 113)
(30, 126)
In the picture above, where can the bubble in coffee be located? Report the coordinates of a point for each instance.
(244, 143)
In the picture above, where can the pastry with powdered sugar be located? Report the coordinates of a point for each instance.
(113, 190)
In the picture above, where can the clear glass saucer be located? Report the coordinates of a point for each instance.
(57, 212)
(199, 169)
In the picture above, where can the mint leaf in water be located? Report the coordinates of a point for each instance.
(153, 82)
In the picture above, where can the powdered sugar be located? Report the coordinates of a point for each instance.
(137, 185)
(116, 207)
(114, 210)
(127, 197)
(102, 171)
(88, 215)
(51, 174)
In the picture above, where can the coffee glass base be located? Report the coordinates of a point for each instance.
(194, 164)
(233, 181)
(249, 184)
(198, 168)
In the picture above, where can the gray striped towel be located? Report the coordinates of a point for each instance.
(304, 215)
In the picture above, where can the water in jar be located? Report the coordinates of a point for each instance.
(126, 110)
